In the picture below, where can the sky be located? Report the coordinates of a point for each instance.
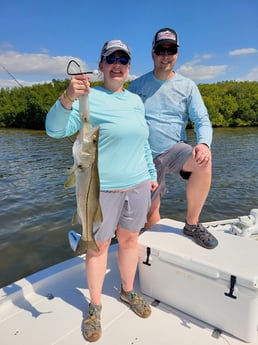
(218, 39)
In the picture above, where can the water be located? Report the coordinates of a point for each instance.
(36, 210)
(234, 189)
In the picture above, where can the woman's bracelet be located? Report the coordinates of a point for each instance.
(67, 97)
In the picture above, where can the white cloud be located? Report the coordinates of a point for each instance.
(29, 69)
(33, 68)
(251, 76)
(208, 56)
(35, 64)
(204, 56)
(201, 72)
(197, 71)
(132, 77)
(9, 84)
(243, 51)
(5, 46)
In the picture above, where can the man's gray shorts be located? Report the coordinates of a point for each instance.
(171, 161)
(128, 209)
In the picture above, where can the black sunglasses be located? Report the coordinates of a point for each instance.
(111, 59)
(162, 51)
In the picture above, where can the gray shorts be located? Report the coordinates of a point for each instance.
(128, 209)
(171, 161)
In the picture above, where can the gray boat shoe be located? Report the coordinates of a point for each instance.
(136, 302)
(201, 235)
(91, 325)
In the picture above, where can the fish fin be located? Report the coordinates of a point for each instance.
(71, 181)
(98, 216)
(76, 219)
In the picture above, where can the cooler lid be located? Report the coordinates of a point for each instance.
(234, 255)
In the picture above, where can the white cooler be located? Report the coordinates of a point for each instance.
(218, 286)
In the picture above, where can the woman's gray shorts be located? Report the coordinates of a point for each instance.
(171, 161)
(127, 209)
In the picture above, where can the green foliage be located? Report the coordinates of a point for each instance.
(26, 107)
(229, 103)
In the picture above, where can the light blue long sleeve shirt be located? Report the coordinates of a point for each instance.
(169, 104)
(124, 155)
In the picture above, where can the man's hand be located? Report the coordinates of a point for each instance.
(201, 154)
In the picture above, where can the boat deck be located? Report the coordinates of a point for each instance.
(48, 307)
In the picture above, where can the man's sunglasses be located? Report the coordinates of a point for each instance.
(162, 51)
(111, 59)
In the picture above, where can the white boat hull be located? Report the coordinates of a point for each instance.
(48, 308)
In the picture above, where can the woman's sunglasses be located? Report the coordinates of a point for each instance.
(162, 51)
(111, 59)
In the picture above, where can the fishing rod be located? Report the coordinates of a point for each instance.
(22, 86)
(11, 75)
(73, 68)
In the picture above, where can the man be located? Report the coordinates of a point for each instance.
(171, 100)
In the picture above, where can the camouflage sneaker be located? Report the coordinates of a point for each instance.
(136, 302)
(91, 325)
(201, 235)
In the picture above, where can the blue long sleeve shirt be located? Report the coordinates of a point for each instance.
(124, 155)
(169, 104)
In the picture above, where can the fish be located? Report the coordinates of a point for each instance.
(85, 177)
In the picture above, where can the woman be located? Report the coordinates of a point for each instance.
(126, 170)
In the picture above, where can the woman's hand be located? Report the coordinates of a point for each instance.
(79, 85)
(153, 186)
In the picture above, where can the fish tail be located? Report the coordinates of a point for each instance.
(84, 246)
(93, 245)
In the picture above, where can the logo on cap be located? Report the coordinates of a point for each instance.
(114, 45)
(165, 34)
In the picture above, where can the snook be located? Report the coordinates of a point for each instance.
(84, 176)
